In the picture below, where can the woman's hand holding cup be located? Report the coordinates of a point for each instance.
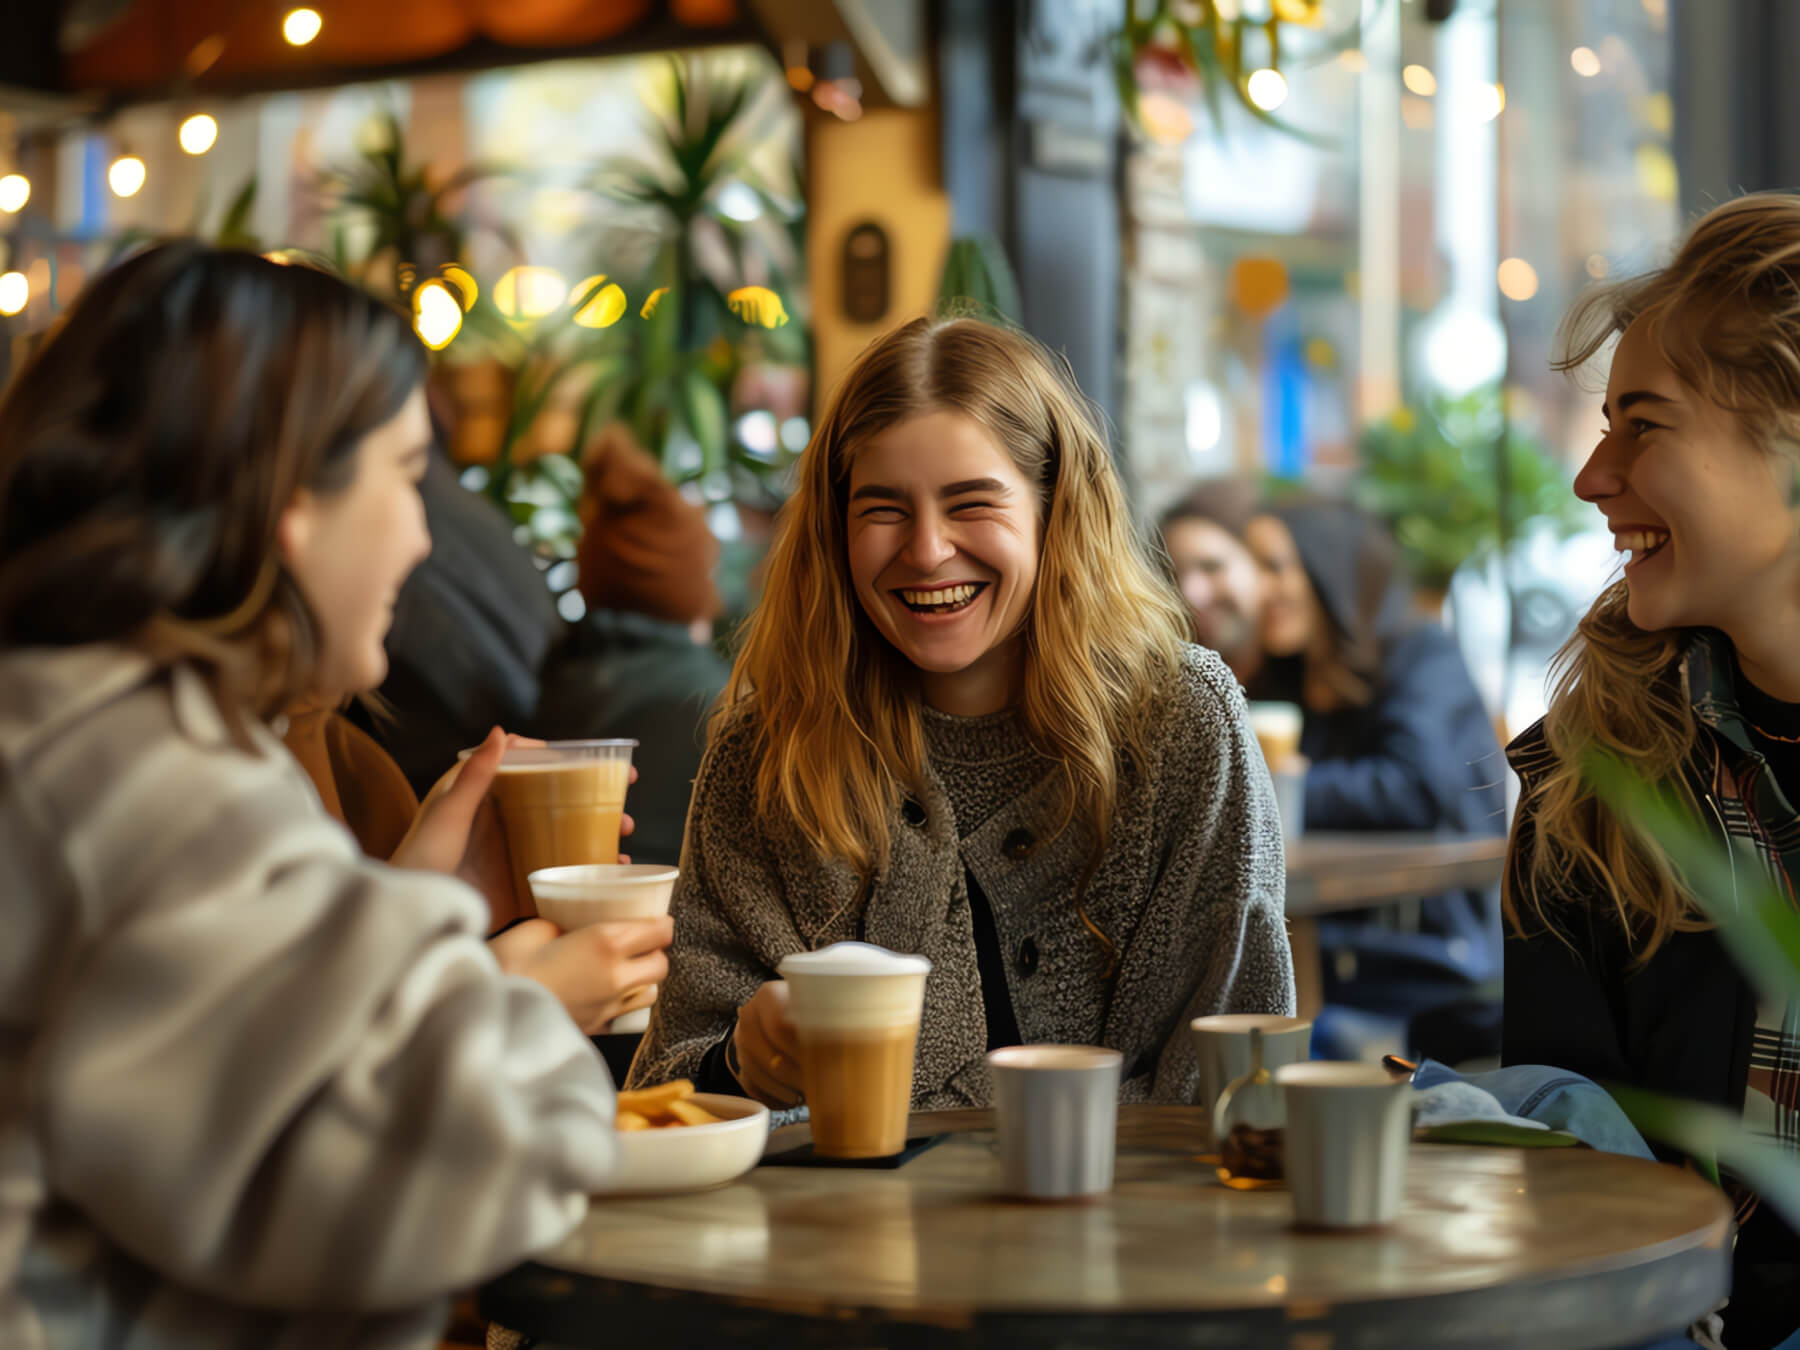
(599, 972)
(767, 1049)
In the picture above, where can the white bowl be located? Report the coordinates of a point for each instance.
(574, 897)
(693, 1157)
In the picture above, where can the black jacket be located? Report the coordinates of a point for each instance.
(1682, 1023)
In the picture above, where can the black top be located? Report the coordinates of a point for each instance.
(1678, 1025)
(1774, 731)
(1002, 1022)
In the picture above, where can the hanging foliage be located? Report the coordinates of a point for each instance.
(1213, 47)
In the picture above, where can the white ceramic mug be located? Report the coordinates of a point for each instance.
(1222, 1045)
(1349, 1127)
(1056, 1109)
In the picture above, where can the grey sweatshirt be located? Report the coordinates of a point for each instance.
(1190, 890)
(255, 1091)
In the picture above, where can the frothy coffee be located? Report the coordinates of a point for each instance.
(856, 1009)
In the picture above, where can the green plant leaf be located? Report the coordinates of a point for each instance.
(234, 230)
(1431, 471)
(976, 270)
(704, 412)
(1708, 1132)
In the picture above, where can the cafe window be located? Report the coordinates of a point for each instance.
(1452, 186)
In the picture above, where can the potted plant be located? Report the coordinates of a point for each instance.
(720, 286)
(1430, 472)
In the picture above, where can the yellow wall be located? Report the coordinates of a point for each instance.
(882, 167)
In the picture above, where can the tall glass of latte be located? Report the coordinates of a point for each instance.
(856, 1010)
(560, 804)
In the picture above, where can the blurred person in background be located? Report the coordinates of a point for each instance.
(641, 663)
(1203, 535)
(1397, 739)
(477, 637)
(1687, 670)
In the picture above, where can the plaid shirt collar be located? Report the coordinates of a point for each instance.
(1752, 810)
(1738, 779)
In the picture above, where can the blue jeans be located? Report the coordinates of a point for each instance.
(1560, 1099)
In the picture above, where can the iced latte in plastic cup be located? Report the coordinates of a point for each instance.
(560, 804)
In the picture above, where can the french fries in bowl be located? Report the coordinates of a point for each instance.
(672, 1138)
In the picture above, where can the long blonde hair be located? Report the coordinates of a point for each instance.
(1725, 315)
(836, 708)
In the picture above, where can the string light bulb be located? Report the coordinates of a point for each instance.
(126, 176)
(198, 133)
(15, 191)
(301, 26)
(1518, 279)
(437, 318)
(1267, 88)
(14, 292)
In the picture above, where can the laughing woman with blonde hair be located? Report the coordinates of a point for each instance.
(1687, 670)
(965, 723)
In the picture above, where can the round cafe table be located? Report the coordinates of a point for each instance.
(1495, 1247)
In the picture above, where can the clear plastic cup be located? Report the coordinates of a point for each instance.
(560, 804)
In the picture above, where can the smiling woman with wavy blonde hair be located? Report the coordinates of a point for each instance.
(964, 723)
(1687, 672)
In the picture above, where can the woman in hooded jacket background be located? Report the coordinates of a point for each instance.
(1397, 739)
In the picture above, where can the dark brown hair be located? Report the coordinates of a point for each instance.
(1228, 503)
(1352, 566)
(150, 445)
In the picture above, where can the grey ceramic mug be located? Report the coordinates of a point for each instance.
(1349, 1128)
(1056, 1110)
(1222, 1047)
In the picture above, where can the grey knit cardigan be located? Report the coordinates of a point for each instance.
(1189, 890)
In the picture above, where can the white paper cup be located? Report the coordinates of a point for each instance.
(1349, 1127)
(590, 893)
(1056, 1109)
(1222, 1045)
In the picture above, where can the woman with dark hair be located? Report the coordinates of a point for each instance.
(254, 1088)
(1396, 738)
